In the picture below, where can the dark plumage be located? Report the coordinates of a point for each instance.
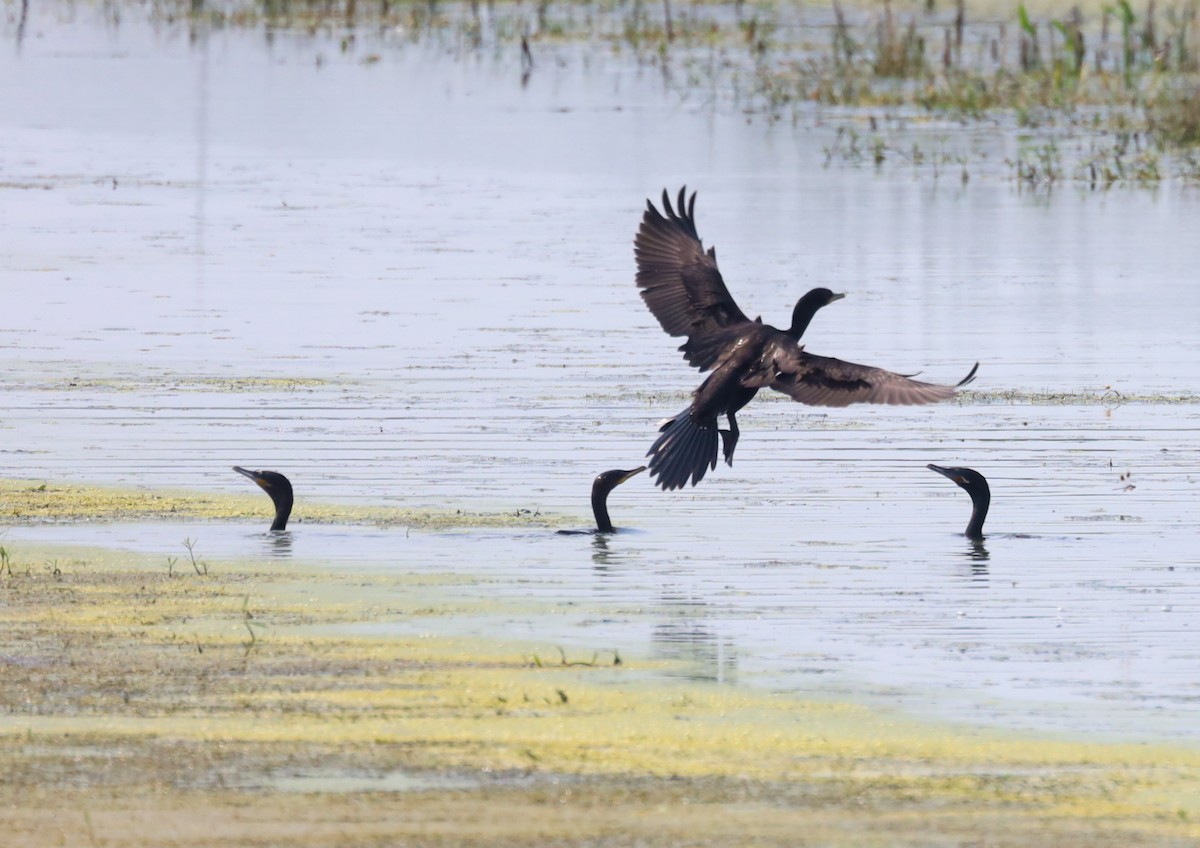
(682, 286)
(278, 487)
(601, 486)
(977, 487)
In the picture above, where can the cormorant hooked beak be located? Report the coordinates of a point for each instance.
(635, 472)
(253, 475)
(951, 473)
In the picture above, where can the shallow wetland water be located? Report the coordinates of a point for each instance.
(406, 281)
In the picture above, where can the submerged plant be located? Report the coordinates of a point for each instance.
(1038, 166)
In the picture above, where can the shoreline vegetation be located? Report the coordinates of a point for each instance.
(246, 703)
(1096, 94)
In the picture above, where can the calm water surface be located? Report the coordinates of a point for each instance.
(410, 282)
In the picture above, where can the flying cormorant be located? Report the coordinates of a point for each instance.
(682, 286)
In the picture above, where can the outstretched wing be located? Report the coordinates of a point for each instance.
(679, 280)
(823, 381)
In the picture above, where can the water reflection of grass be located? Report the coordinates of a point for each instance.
(133, 694)
(1126, 78)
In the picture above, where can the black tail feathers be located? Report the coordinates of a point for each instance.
(685, 449)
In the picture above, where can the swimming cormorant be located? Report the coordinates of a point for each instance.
(683, 287)
(278, 487)
(603, 484)
(977, 487)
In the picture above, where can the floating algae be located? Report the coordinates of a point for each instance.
(176, 695)
(32, 502)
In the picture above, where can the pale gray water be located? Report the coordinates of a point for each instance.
(443, 259)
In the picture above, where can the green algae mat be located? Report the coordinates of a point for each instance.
(238, 707)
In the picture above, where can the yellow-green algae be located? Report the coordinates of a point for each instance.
(179, 699)
(38, 501)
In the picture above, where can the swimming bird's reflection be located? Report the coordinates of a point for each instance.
(978, 553)
(977, 557)
(278, 545)
(608, 554)
(600, 552)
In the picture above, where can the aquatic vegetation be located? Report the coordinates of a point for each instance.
(1088, 72)
(1077, 74)
(1173, 112)
(1039, 165)
(1108, 397)
(26, 502)
(166, 703)
(537, 661)
(198, 566)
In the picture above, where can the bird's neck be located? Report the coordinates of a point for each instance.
(981, 500)
(283, 509)
(600, 509)
(801, 317)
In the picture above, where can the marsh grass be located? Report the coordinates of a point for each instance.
(1124, 83)
(1087, 71)
(199, 566)
(1173, 111)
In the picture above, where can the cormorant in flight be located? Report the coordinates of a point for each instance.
(682, 286)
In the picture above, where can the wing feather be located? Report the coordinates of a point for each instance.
(679, 279)
(824, 381)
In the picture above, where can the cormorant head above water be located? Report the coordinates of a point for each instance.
(278, 487)
(601, 486)
(604, 484)
(977, 487)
